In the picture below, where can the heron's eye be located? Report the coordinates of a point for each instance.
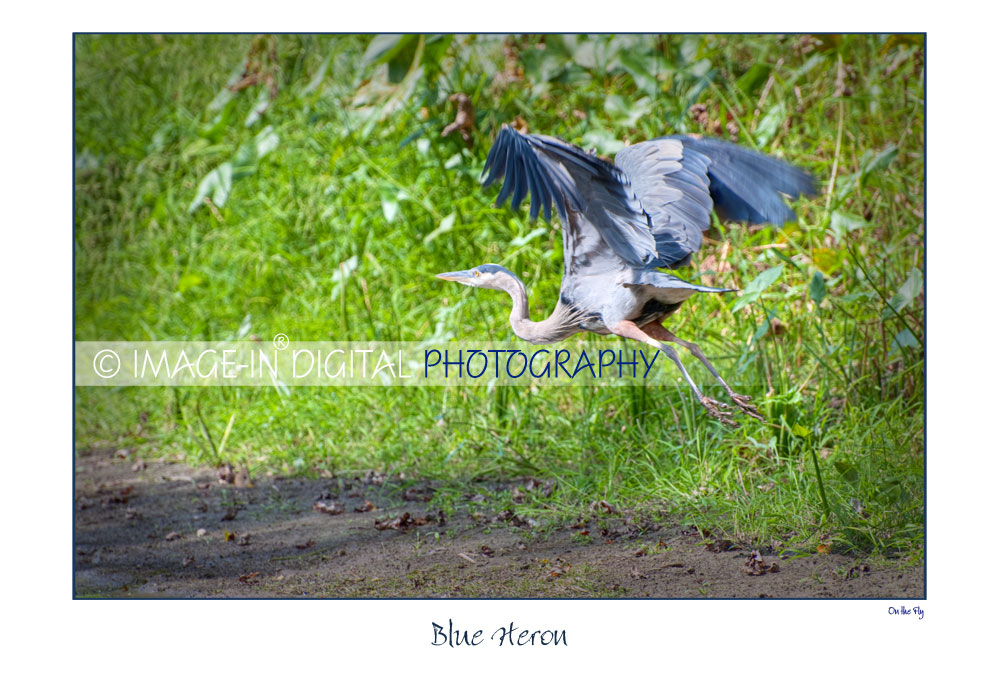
(476, 273)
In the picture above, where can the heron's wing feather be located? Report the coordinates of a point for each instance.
(678, 179)
(668, 281)
(672, 184)
(747, 185)
(588, 193)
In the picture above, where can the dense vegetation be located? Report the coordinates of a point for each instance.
(333, 199)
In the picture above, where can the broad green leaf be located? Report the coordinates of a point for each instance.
(817, 287)
(435, 48)
(390, 208)
(879, 162)
(189, 280)
(754, 78)
(843, 223)
(217, 128)
(402, 62)
(259, 107)
(386, 46)
(643, 76)
(855, 296)
(525, 239)
(905, 295)
(584, 51)
(319, 75)
(615, 106)
(761, 331)
(447, 223)
(266, 141)
(765, 279)
(690, 48)
(847, 471)
(244, 162)
(216, 184)
(753, 291)
(626, 114)
(769, 125)
(603, 141)
(903, 339)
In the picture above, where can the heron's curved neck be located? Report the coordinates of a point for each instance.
(537, 332)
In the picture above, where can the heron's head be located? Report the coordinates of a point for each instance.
(490, 276)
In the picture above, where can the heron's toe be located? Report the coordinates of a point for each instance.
(714, 409)
(745, 404)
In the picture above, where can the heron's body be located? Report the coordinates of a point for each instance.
(623, 222)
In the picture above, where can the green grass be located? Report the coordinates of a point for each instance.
(358, 187)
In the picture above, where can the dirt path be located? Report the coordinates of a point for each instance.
(157, 530)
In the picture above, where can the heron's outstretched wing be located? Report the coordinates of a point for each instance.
(747, 185)
(597, 210)
(679, 178)
(671, 183)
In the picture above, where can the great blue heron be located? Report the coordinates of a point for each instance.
(623, 221)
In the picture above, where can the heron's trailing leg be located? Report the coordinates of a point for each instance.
(742, 401)
(631, 331)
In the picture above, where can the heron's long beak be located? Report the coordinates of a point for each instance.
(455, 275)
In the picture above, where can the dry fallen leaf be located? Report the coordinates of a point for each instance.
(172, 536)
(720, 545)
(249, 579)
(335, 508)
(604, 506)
(401, 522)
(465, 118)
(243, 478)
(520, 125)
(857, 571)
(226, 473)
(756, 565)
(365, 507)
(418, 494)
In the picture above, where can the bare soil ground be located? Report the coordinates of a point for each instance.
(162, 529)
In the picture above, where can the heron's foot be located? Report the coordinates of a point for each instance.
(715, 409)
(745, 404)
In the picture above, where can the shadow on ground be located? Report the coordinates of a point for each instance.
(164, 529)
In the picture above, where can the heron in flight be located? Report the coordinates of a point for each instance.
(622, 222)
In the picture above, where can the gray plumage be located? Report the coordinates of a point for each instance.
(623, 221)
